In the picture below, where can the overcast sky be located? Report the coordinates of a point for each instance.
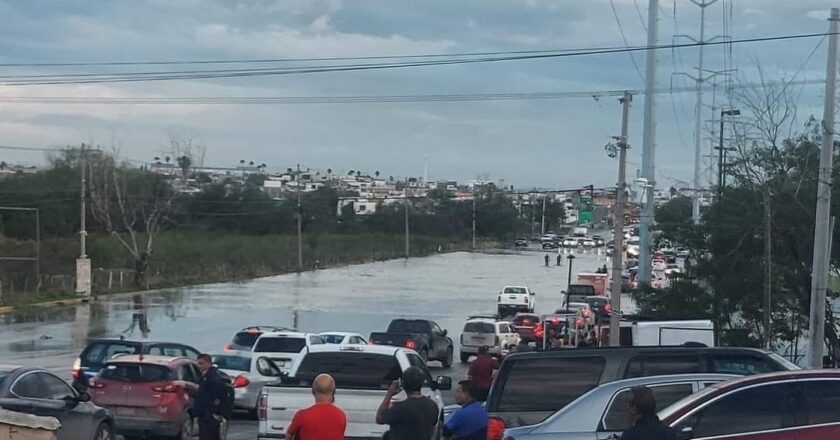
(548, 143)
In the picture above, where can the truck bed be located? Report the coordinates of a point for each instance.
(394, 339)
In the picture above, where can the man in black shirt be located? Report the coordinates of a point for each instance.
(646, 425)
(414, 418)
(208, 399)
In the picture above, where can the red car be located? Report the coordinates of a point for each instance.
(138, 391)
(798, 405)
(525, 324)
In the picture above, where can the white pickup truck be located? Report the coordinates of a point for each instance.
(362, 374)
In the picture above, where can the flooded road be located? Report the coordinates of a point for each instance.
(364, 298)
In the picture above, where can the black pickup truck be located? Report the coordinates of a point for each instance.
(423, 336)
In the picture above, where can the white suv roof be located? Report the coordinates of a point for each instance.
(287, 335)
(373, 349)
(484, 319)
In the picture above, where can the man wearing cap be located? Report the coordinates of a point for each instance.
(414, 418)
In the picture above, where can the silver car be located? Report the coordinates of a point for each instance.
(602, 412)
(249, 372)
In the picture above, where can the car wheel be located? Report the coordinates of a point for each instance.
(104, 432)
(424, 354)
(447, 363)
(465, 357)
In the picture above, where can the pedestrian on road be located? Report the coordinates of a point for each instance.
(481, 373)
(547, 259)
(323, 420)
(414, 418)
(469, 422)
(646, 425)
(559, 259)
(208, 398)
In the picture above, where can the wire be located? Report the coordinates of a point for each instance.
(624, 38)
(639, 13)
(231, 73)
(358, 99)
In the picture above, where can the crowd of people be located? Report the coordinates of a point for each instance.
(416, 417)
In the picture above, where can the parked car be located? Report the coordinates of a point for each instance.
(801, 405)
(550, 245)
(521, 242)
(245, 339)
(569, 242)
(659, 264)
(343, 338)
(421, 335)
(139, 391)
(248, 373)
(683, 252)
(497, 336)
(524, 324)
(603, 411)
(600, 306)
(514, 299)
(362, 373)
(599, 241)
(673, 269)
(531, 386)
(578, 292)
(100, 351)
(41, 393)
(285, 348)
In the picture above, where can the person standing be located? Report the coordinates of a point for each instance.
(323, 420)
(481, 373)
(469, 422)
(414, 418)
(547, 259)
(646, 425)
(208, 398)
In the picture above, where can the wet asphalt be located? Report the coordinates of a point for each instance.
(446, 288)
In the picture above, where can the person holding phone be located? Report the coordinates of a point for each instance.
(322, 421)
(414, 418)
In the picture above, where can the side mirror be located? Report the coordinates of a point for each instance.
(83, 397)
(445, 332)
(533, 293)
(686, 433)
(563, 292)
(443, 383)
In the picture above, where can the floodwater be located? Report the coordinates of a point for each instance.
(446, 288)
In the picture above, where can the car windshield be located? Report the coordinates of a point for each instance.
(350, 369)
(332, 339)
(515, 290)
(246, 338)
(230, 362)
(135, 372)
(100, 352)
(279, 344)
(580, 290)
(523, 320)
(479, 327)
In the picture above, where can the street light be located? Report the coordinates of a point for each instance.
(722, 150)
(571, 258)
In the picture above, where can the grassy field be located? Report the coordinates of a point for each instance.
(186, 258)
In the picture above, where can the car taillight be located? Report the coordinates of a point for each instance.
(409, 344)
(462, 339)
(495, 428)
(497, 341)
(228, 347)
(587, 313)
(579, 322)
(525, 300)
(169, 388)
(241, 382)
(77, 369)
(262, 408)
(608, 308)
(538, 330)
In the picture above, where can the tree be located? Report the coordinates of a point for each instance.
(376, 173)
(329, 171)
(350, 173)
(184, 162)
(131, 206)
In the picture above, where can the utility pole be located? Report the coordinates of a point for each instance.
(406, 225)
(768, 271)
(473, 220)
(299, 221)
(819, 270)
(83, 286)
(542, 227)
(648, 144)
(699, 80)
(618, 221)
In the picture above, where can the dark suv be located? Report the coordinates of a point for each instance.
(100, 351)
(531, 386)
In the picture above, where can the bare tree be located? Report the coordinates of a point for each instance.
(132, 206)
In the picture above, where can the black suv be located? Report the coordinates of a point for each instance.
(100, 351)
(529, 387)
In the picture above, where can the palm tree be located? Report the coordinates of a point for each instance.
(263, 165)
(351, 172)
(157, 159)
(376, 173)
(391, 178)
(358, 174)
(242, 162)
(167, 159)
(329, 171)
(289, 170)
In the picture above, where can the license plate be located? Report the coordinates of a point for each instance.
(512, 297)
(122, 411)
(477, 338)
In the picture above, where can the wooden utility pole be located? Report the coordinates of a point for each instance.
(768, 271)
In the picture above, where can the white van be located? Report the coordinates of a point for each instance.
(285, 349)
(497, 336)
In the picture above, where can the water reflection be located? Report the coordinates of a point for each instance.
(139, 318)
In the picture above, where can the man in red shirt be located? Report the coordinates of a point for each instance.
(323, 420)
(481, 373)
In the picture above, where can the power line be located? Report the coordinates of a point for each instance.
(358, 99)
(624, 38)
(85, 78)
